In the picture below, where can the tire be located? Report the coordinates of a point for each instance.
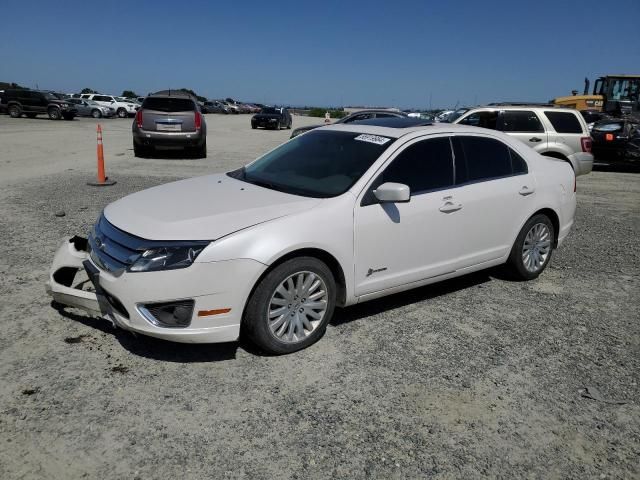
(277, 126)
(122, 113)
(201, 152)
(15, 111)
(254, 126)
(54, 113)
(95, 113)
(31, 115)
(139, 151)
(532, 249)
(295, 331)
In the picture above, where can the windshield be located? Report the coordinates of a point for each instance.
(50, 96)
(269, 110)
(319, 164)
(457, 114)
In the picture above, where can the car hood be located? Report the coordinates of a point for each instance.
(201, 208)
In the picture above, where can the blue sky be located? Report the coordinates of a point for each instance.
(401, 53)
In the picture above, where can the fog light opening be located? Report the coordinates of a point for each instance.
(168, 314)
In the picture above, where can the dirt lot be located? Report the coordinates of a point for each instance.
(477, 377)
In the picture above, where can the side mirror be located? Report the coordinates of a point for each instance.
(392, 193)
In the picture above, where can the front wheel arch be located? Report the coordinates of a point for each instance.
(323, 256)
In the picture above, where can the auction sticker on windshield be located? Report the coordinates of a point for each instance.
(372, 139)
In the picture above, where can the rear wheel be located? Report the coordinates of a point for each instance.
(54, 113)
(15, 111)
(140, 151)
(122, 113)
(291, 306)
(95, 113)
(201, 152)
(532, 249)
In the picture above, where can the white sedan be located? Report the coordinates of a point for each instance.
(337, 216)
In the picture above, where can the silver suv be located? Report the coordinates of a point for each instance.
(168, 120)
(555, 132)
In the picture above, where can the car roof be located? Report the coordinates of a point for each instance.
(394, 132)
(520, 106)
(393, 122)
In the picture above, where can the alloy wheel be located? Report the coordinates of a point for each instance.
(536, 247)
(297, 307)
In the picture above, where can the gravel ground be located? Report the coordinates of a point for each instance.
(475, 377)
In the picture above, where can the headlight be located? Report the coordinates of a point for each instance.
(167, 258)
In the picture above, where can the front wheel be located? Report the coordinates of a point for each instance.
(54, 113)
(15, 111)
(95, 113)
(122, 113)
(291, 306)
(532, 249)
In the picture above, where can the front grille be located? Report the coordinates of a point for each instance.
(111, 248)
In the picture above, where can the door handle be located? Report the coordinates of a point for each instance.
(535, 139)
(450, 207)
(524, 191)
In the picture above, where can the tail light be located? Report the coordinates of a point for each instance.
(139, 118)
(586, 144)
(198, 120)
(608, 137)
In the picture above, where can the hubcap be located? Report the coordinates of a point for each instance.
(297, 307)
(536, 248)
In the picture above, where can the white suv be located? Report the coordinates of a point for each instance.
(123, 109)
(555, 132)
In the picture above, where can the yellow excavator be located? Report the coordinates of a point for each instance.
(617, 95)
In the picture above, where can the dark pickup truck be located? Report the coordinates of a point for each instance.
(271, 117)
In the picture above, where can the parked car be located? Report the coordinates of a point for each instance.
(365, 114)
(3, 103)
(617, 141)
(34, 102)
(89, 108)
(335, 217)
(272, 117)
(443, 116)
(552, 131)
(123, 109)
(215, 107)
(593, 116)
(169, 120)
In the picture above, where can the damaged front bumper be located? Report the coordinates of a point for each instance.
(63, 285)
(217, 291)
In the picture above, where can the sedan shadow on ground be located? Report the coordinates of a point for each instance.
(417, 295)
(162, 350)
(153, 348)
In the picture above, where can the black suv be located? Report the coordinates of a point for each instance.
(271, 117)
(35, 102)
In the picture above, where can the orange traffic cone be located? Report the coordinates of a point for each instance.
(103, 180)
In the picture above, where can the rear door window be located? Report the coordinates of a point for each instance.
(564, 122)
(481, 158)
(521, 121)
(424, 166)
(164, 104)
